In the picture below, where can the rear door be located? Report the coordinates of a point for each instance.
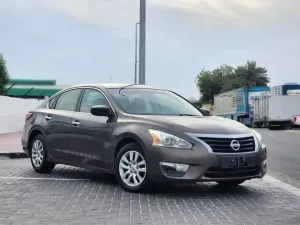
(58, 123)
(91, 134)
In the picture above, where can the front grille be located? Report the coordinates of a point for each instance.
(222, 145)
(215, 172)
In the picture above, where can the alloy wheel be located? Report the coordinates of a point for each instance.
(132, 168)
(37, 153)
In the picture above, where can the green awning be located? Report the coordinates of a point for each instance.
(33, 90)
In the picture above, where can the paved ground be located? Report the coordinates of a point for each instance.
(74, 196)
(283, 154)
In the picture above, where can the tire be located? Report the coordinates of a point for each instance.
(38, 150)
(288, 126)
(271, 128)
(231, 183)
(134, 169)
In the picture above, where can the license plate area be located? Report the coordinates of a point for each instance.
(234, 162)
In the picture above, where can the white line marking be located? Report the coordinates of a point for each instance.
(282, 185)
(42, 178)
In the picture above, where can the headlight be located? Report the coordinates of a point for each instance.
(258, 136)
(168, 140)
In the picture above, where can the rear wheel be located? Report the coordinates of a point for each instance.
(39, 156)
(271, 127)
(288, 126)
(231, 182)
(131, 168)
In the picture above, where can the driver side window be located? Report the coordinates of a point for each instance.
(92, 97)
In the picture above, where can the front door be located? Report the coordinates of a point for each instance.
(57, 123)
(91, 134)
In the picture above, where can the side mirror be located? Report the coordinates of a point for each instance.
(101, 110)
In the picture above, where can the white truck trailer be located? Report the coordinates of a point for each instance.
(275, 111)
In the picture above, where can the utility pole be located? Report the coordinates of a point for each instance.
(142, 50)
(135, 57)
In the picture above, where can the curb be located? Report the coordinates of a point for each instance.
(14, 155)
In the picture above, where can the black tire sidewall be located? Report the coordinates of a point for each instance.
(126, 148)
(288, 126)
(44, 161)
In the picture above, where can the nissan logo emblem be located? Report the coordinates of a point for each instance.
(235, 145)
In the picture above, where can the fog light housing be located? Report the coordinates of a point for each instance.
(174, 169)
(177, 166)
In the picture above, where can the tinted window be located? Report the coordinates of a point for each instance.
(68, 100)
(91, 98)
(152, 102)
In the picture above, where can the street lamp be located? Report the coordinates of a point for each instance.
(135, 57)
(142, 50)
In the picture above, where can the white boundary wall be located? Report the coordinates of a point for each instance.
(13, 111)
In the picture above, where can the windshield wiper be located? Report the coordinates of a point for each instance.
(187, 115)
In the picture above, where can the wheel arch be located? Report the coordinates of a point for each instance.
(34, 131)
(125, 139)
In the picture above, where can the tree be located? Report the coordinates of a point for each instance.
(213, 82)
(229, 79)
(4, 77)
(251, 75)
(209, 84)
(226, 78)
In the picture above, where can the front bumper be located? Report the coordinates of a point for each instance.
(170, 164)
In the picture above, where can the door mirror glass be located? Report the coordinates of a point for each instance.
(101, 110)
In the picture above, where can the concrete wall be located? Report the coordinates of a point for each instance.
(13, 111)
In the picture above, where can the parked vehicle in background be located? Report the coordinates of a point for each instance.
(296, 120)
(275, 111)
(143, 135)
(286, 89)
(236, 104)
(204, 111)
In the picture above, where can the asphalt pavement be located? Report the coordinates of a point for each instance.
(283, 154)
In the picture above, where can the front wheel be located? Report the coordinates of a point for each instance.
(231, 182)
(131, 168)
(38, 155)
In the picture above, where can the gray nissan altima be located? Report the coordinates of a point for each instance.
(143, 135)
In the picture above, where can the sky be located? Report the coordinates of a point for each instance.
(93, 41)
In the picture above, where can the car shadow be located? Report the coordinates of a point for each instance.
(165, 189)
(199, 189)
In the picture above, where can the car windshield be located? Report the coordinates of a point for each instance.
(153, 102)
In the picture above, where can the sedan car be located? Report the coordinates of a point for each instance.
(143, 135)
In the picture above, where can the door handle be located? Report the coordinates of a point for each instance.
(48, 117)
(75, 123)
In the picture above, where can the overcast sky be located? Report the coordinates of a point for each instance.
(87, 41)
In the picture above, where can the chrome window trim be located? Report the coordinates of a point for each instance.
(196, 137)
(75, 88)
(59, 93)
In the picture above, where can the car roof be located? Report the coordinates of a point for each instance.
(118, 85)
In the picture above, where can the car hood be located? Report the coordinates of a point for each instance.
(191, 124)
